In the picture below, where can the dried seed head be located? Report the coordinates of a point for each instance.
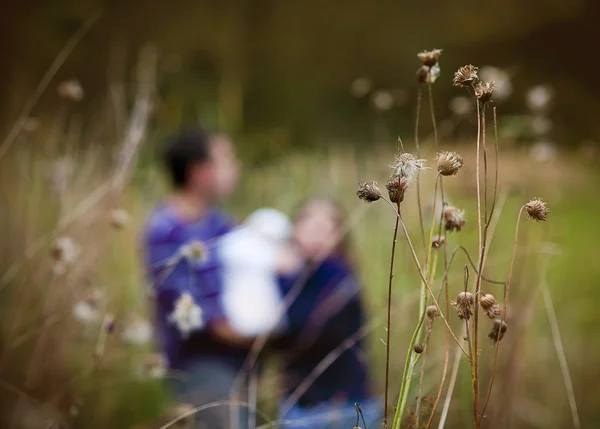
(430, 58)
(396, 188)
(368, 191)
(438, 241)
(453, 218)
(537, 210)
(407, 166)
(432, 312)
(498, 330)
(465, 76)
(464, 305)
(484, 91)
(489, 305)
(448, 163)
(65, 250)
(428, 74)
(418, 348)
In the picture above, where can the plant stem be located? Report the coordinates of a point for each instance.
(388, 324)
(423, 366)
(432, 111)
(418, 150)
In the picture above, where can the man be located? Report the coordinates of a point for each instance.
(203, 353)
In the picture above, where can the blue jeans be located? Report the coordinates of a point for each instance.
(333, 416)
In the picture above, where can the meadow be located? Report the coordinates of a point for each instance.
(70, 190)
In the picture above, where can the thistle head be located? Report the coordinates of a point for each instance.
(407, 166)
(438, 241)
(484, 91)
(537, 210)
(430, 58)
(427, 74)
(464, 305)
(489, 305)
(498, 330)
(448, 163)
(396, 187)
(465, 76)
(432, 312)
(369, 192)
(453, 218)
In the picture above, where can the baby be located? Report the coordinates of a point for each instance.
(252, 256)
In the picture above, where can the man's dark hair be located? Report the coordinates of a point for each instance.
(183, 150)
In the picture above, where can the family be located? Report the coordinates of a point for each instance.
(218, 286)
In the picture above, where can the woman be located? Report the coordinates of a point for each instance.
(323, 363)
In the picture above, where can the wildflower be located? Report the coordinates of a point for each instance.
(65, 250)
(361, 87)
(539, 97)
(119, 218)
(464, 305)
(489, 305)
(484, 91)
(433, 312)
(461, 105)
(396, 188)
(154, 366)
(453, 218)
(465, 76)
(498, 330)
(407, 166)
(537, 210)
(137, 331)
(368, 191)
(418, 348)
(382, 100)
(195, 252)
(430, 58)
(428, 74)
(186, 315)
(438, 241)
(502, 83)
(71, 90)
(448, 163)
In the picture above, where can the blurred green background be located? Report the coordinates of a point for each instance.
(314, 95)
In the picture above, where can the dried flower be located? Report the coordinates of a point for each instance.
(465, 76)
(186, 315)
(137, 331)
(448, 163)
(65, 250)
(438, 241)
(154, 366)
(368, 191)
(489, 305)
(428, 74)
(464, 305)
(195, 252)
(71, 90)
(497, 333)
(418, 348)
(430, 58)
(396, 188)
(453, 218)
(503, 87)
(537, 210)
(433, 312)
(407, 166)
(119, 218)
(484, 91)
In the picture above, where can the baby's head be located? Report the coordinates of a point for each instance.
(270, 223)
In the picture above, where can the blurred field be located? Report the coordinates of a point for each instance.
(57, 369)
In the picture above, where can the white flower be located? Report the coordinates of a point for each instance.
(461, 105)
(119, 218)
(137, 331)
(65, 250)
(195, 252)
(71, 90)
(361, 87)
(186, 315)
(502, 83)
(539, 97)
(154, 366)
(407, 166)
(86, 312)
(382, 100)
